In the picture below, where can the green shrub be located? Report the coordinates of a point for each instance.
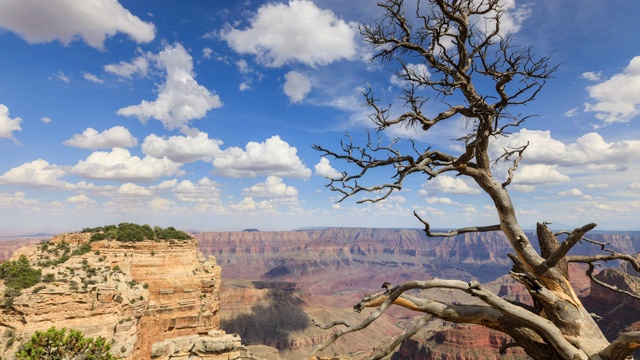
(19, 274)
(60, 344)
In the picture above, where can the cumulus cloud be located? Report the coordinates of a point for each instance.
(273, 187)
(440, 200)
(297, 86)
(46, 119)
(139, 65)
(324, 168)
(7, 124)
(299, 31)
(180, 99)
(451, 185)
(69, 20)
(589, 150)
(618, 98)
(538, 174)
(130, 189)
(271, 157)
(592, 76)
(248, 204)
(118, 164)
(117, 136)
(203, 191)
(38, 174)
(182, 149)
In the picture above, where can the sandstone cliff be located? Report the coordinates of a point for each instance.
(150, 299)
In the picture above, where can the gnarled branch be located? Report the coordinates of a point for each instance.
(427, 229)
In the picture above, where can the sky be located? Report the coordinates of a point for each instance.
(202, 115)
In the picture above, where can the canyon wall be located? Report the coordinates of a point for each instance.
(149, 299)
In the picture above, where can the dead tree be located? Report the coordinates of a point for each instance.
(460, 41)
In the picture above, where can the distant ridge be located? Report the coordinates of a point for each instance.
(36, 235)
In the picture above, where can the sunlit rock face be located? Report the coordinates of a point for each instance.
(134, 294)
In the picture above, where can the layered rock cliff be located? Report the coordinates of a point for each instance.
(150, 299)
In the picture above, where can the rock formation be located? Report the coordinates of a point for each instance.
(150, 299)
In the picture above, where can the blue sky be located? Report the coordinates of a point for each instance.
(202, 114)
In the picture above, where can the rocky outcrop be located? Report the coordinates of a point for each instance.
(216, 345)
(135, 294)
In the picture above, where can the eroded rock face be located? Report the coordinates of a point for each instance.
(133, 294)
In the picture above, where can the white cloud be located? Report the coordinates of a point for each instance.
(635, 186)
(206, 53)
(297, 86)
(324, 168)
(575, 193)
(440, 200)
(597, 186)
(204, 191)
(130, 189)
(590, 150)
(180, 99)
(139, 65)
(160, 204)
(117, 136)
(248, 205)
(272, 157)
(451, 185)
(243, 66)
(69, 20)
(81, 199)
(245, 86)
(91, 77)
(63, 77)
(295, 32)
(16, 200)
(513, 17)
(572, 112)
(182, 149)
(7, 124)
(592, 76)
(398, 199)
(46, 119)
(618, 98)
(121, 166)
(271, 188)
(538, 174)
(38, 174)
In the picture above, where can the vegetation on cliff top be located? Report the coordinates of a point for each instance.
(128, 232)
(60, 344)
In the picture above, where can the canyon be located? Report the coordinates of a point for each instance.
(273, 287)
(330, 269)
